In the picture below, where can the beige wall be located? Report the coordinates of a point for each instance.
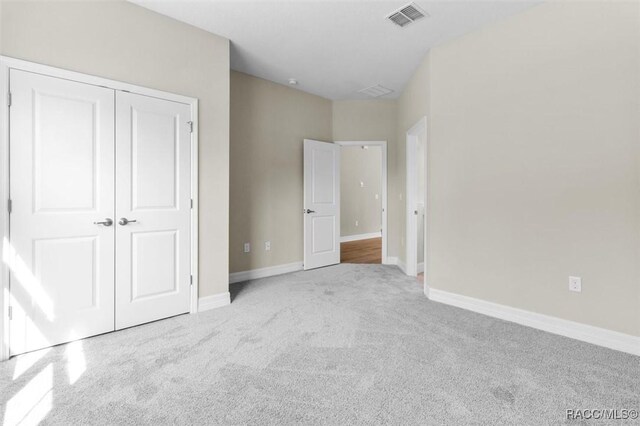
(374, 120)
(121, 41)
(534, 161)
(269, 121)
(360, 190)
(413, 105)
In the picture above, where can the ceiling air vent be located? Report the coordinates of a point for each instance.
(406, 15)
(375, 91)
(399, 19)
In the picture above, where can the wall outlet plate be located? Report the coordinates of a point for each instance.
(247, 247)
(267, 245)
(575, 284)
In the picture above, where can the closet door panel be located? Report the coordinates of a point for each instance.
(61, 183)
(153, 206)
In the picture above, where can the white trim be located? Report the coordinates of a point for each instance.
(7, 63)
(402, 265)
(391, 260)
(385, 206)
(215, 301)
(91, 79)
(4, 215)
(359, 237)
(270, 271)
(420, 268)
(586, 333)
(412, 261)
(195, 224)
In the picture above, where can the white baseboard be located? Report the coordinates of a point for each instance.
(215, 301)
(586, 333)
(270, 271)
(393, 260)
(402, 266)
(360, 237)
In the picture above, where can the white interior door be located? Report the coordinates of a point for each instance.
(412, 206)
(416, 184)
(321, 204)
(153, 208)
(61, 184)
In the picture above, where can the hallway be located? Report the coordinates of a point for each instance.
(361, 251)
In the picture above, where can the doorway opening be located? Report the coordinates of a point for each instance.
(363, 202)
(416, 208)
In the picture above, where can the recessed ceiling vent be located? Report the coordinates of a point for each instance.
(406, 15)
(376, 91)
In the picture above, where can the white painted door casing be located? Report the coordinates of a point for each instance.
(321, 204)
(61, 182)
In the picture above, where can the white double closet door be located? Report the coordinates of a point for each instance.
(100, 187)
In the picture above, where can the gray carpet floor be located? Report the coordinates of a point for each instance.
(349, 344)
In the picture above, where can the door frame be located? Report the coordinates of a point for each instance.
(411, 237)
(8, 63)
(385, 209)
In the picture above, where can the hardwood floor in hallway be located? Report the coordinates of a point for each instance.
(361, 251)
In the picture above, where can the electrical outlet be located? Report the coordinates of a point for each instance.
(267, 245)
(357, 223)
(377, 196)
(575, 284)
(247, 247)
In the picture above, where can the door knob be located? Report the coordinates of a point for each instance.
(123, 221)
(310, 211)
(106, 222)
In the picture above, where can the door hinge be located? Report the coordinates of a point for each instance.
(190, 123)
(190, 279)
(10, 312)
(192, 203)
(9, 206)
(9, 99)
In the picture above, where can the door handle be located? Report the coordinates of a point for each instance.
(310, 211)
(106, 222)
(123, 221)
